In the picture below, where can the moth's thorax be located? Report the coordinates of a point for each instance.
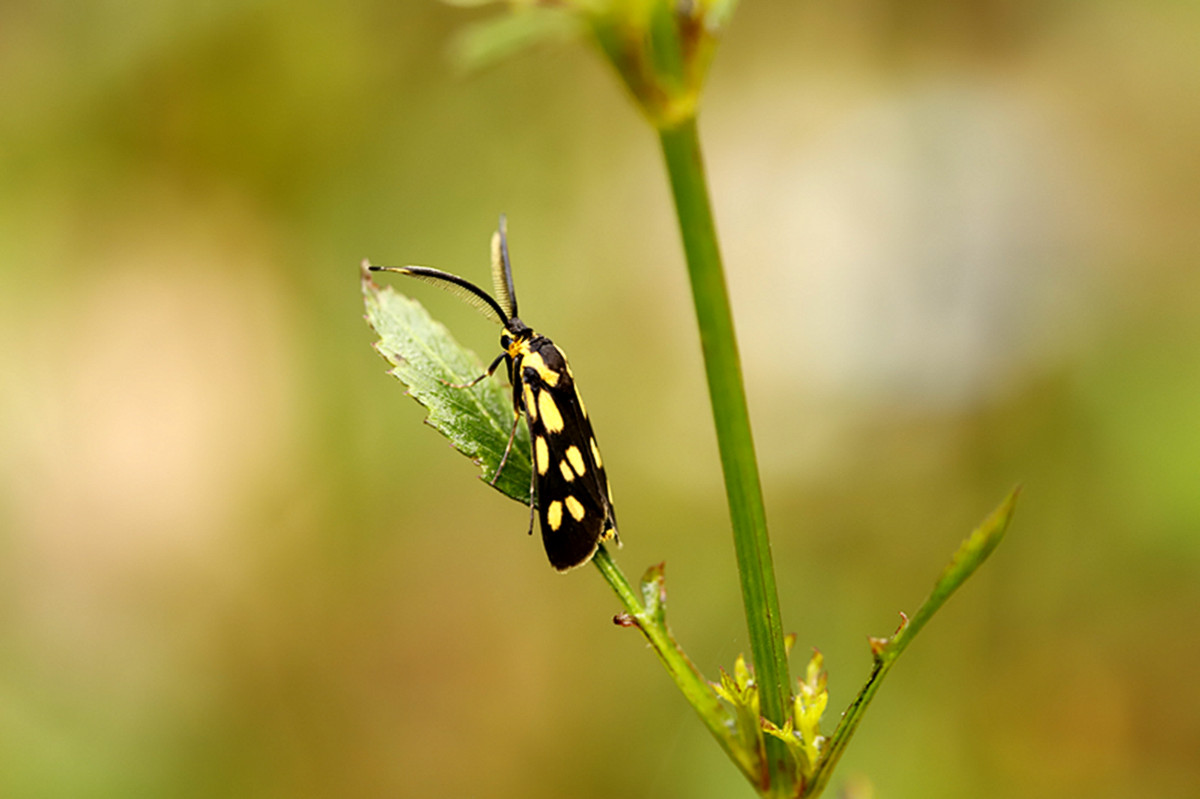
(538, 359)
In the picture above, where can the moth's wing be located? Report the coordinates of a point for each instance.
(573, 497)
(593, 476)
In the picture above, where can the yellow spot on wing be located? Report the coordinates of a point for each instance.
(567, 474)
(576, 508)
(576, 459)
(554, 514)
(541, 455)
(530, 405)
(549, 411)
(596, 455)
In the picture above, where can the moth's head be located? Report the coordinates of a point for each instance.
(515, 336)
(517, 329)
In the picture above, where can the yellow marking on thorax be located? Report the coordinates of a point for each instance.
(554, 515)
(541, 455)
(549, 411)
(576, 459)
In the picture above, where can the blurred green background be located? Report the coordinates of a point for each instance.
(962, 241)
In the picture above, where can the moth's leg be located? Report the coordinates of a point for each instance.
(517, 406)
(488, 373)
(532, 486)
(508, 448)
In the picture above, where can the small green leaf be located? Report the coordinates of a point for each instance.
(809, 706)
(496, 38)
(425, 357)
(969, 557)
(740, 691)
(971, 554)
(654, 593)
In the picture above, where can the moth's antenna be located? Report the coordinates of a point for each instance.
(464, 289)
(502, 281)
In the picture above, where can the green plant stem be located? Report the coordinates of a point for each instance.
(681, 149)
(650, 618)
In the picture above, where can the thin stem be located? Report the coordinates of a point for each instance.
(681, 148)
(650, 617)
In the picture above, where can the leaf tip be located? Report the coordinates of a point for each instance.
(1010, 502)
(655, 573)
(654, 590)
(364, 274)
(987, 536)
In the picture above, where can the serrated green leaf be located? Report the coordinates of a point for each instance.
(425, 357)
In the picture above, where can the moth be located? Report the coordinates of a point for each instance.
(569, 487)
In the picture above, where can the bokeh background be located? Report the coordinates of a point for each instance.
(962, 241)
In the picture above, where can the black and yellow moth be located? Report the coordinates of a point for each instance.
(569, 486)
